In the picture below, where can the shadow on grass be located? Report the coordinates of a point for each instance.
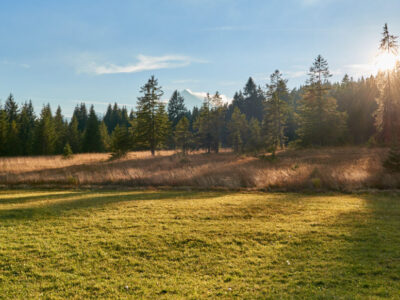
(87, 200)
(354, 255)
(39, 196)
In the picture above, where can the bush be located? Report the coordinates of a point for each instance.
(67, 152)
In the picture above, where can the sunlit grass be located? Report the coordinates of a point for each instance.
(171, 244)
(340, 168)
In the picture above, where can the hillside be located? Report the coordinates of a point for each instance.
(345, 168)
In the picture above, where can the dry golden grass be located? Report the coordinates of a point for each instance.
(344, 168)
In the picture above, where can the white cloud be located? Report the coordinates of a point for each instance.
(145, 63)
(6, 62)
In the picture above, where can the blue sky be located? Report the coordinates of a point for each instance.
(64, 52)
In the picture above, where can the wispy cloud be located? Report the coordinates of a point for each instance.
(10, 63)
(144, 63)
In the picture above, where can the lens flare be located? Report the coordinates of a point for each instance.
(385, 61)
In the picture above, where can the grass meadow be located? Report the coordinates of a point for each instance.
(339, 169)
(57, 244)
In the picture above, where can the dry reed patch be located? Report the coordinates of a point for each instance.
(344, 168)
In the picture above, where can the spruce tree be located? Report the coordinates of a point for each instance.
(92, 137)
(105, 137)
(321, 124)
(276, 112)
(183, 135)
(11, 108)
(176, 108)
(120, 142)
(45, 134)
(203, 125)
(254, 141)
(152, 123)
(3, 132)
(26, 128)
(389, 108)
(74, 135)
(238, 129)
(61, 131)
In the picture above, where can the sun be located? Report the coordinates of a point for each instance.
(385, 61)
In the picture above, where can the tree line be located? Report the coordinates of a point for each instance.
(319, 113)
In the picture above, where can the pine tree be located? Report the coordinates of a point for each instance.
(11, 108)
(80, 113)
(183, 135)
(61, 131)
(74, 136)
(45, 135)
(13, 142)
(176, 108)
(238, 129)
(203, 125)
(389, 107)
(152, 123)
(253, 101)
(276, 112)
(92, 138)
(120, 142)
(105, 137)
(321, 123)
(3, 132)
(218, 111)
(254, 142)
(26, 128)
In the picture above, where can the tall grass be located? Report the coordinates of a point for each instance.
(344, 168)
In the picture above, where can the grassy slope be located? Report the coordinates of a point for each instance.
(98, 244)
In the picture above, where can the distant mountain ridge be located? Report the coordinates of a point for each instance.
(193, 99)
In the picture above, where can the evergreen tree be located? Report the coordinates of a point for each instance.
(74, 136)
(203, 125)
(92, 137)
(3, 132)
(120, 142)
(254, 141)
(61, 130)
(26, 128)
(152, 123)
(320, 122)
(276, 112)
(218, 111)
(45, 134)
(80, 113)
(253, 101)
(183, 135)
(11, 108)
(67, 151)
(389, 107)
(176, 108)
(105, 137)
(238, 128)
(13, 142)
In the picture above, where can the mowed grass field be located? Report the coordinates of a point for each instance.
(187, 244)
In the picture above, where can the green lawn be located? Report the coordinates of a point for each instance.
(174, 244)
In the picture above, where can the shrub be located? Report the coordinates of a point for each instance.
(67, 152)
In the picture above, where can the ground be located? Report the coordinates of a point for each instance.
(188, 244)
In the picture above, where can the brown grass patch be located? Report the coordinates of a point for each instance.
(344, 168)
